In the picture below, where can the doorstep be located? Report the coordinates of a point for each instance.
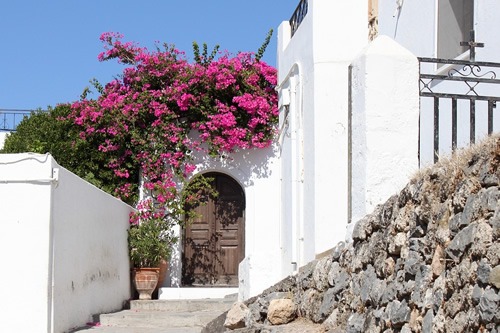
(196, 292)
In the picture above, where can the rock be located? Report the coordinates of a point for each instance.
(406, 328)
(368, 279)
(438, 261)
(281, 311)
(455, 304)
(427, 322)
(331, 322)
(397, 243)
(320, 273)
(310, 303)
(494, 277)
(362, 229)
(493, 253)
(488, 305)
(399, 313)
(355, 323)
(412, 263)
(483, 272)
(482, 239)
(491, 198)
(236, 316)
(461, 241)
(477, 293)
(458, 324)
(486, 177)
(338, 278)
(464, 189)
(415, 320)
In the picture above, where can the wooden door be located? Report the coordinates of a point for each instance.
(214, 241)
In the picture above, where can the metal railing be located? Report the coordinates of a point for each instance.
(298, 15)
(9, 118)
(467, 80)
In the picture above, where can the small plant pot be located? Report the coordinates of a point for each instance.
(145, 281)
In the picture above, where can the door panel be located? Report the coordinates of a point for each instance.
(214, 242)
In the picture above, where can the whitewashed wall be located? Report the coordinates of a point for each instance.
(66, 243)
(313, 72)
(257, 172)
(414, 26)
(383, 127)
(3, 135)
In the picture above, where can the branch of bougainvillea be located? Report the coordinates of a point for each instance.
(150, 119)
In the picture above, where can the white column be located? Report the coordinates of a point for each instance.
(383, 124)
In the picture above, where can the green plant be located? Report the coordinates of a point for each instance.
(149, 242)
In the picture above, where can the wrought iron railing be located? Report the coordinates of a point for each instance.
(9, 119)
(470, 81)
(298, 15)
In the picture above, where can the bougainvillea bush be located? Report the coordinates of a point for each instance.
(163, 107)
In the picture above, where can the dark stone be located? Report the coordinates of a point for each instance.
(362, 228)
(327, 305)
(461, 241)
(483, 272)
(412, 263)
(477, 293)
(399, 313)
(486, 177)
(389, 293)
(305, 275)
(454, 223)
(488, 305)
(427, 322)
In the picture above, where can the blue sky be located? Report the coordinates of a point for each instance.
(48, 49)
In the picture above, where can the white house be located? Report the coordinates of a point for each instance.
(350, 136)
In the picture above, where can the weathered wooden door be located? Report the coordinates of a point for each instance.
(214, 241)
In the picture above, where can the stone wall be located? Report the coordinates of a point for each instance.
(427, 260)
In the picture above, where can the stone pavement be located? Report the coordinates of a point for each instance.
(161, 316)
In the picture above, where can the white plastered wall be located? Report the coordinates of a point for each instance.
(3, 136)
(315, 60)
(383, 125)
(258, 174)
(414, 26)
(64, 243)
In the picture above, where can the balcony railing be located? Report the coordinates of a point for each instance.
(298, 15)
(9, 119)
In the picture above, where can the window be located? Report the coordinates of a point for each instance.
(455, 21)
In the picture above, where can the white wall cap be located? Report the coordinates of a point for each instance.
(385, 45)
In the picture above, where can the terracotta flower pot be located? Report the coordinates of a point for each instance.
(145, 281)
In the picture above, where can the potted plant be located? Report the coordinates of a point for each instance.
(150, 240)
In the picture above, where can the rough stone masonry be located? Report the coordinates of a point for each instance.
(427, 260)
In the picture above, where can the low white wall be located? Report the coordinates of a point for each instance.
(65, 243)
(91, 272)
(25, 200)
(383, 127)
(3, 135)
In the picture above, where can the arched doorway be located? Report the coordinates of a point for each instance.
(214, 242)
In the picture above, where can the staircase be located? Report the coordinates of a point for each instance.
(162, 316)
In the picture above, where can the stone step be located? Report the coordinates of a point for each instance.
(117, 329)
(158, 319)
(193, 305)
